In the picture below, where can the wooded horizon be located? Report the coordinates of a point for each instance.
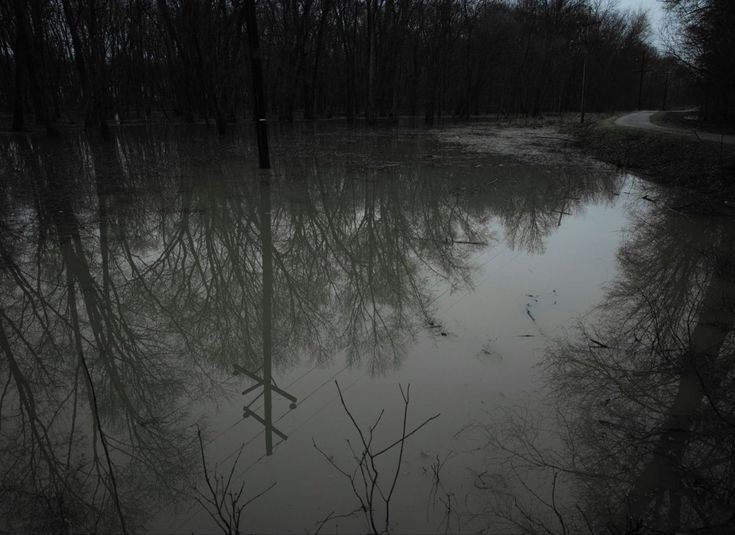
(98, 61)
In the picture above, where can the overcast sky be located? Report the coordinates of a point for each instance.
(655, 13)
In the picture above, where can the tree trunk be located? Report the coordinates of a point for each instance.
(372, 6)
(18, 89)
(310, 88)
(78, 50)
(259, 103)
(31, 57)
(702, 372)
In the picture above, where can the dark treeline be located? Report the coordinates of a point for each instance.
(703, 42)
(103, 60)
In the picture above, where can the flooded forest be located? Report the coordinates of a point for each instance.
(366, 266)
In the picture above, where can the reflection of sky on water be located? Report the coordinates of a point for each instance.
(448, 270)
(487, 357)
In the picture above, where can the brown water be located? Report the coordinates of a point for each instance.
(570, 325)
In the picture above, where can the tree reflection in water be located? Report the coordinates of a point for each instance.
(132, 284)
(641, 438)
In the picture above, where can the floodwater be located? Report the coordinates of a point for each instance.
(393, 330)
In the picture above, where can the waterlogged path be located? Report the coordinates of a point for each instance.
(165, 303)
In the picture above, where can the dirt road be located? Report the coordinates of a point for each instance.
(642, 119)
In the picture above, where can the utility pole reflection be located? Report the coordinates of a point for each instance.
(266, 380)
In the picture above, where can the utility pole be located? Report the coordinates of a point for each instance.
(584, 82)
(640, 79)
(261, 123)
(261, 129)
(585, 42)
(666, 90)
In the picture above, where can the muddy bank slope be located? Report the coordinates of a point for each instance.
(683, 162)
(543, 144)
(670, 160)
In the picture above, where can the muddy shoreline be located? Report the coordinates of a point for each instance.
(701, 166)
(697, 167)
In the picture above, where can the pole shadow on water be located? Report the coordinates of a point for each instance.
(265, 381)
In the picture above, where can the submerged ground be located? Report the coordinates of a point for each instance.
(177, 326)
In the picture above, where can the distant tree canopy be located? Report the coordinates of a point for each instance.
(187, 59)
(704, 41)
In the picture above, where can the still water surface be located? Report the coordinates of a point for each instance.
(565, 330)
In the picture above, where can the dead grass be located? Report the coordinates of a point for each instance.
(665, 159)
(690, 120)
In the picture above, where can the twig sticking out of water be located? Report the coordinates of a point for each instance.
(436, 468)
(223, 505)
(332, 516)
(364, 477)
